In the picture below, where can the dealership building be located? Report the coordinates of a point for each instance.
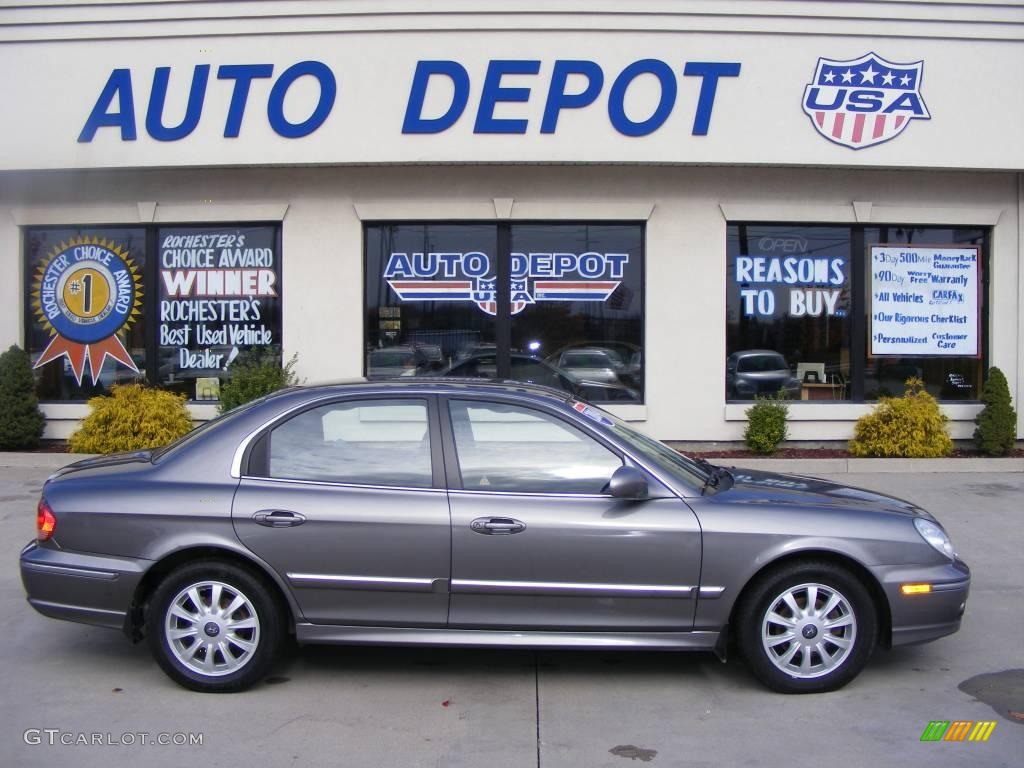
(674, 206)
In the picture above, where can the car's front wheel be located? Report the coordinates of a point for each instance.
(214, 627)
(807, 628)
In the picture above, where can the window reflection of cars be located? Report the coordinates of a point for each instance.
(533, 370)
(592, 364)
(390, 362)
(754, 372)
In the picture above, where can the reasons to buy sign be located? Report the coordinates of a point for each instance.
(924, 301)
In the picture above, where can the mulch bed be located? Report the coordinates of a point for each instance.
(822, 453)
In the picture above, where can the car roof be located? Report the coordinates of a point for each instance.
(755, 352)
(449, 385)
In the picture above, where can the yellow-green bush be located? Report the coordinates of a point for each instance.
(911, 426)
(131, 419)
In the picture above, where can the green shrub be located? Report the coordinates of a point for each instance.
(21, 424)
(255, 374)
(912, 426)
(996, 434)
(766, 424)
(131, 419)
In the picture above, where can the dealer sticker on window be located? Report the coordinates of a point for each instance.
(592, 413)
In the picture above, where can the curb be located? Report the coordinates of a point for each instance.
(40, 460)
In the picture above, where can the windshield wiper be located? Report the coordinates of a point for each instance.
(715, 474)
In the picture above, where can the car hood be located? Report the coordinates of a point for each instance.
(98, 462)
(754, 487)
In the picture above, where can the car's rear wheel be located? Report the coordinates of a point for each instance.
(807, 628)
(214, 627)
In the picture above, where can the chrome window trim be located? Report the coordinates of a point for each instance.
(535, 494)
(236, 461)
(333, 484)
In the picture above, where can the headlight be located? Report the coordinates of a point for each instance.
(935, 536)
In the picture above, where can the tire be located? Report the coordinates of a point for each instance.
(198, 643)
(793, 649)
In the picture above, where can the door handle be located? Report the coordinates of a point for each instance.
(497, 525)
(278, 518)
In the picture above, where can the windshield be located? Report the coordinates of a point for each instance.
(657, 453)
(761, 364)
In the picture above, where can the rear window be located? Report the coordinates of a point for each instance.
(761, 363)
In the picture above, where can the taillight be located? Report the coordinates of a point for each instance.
(46, 523)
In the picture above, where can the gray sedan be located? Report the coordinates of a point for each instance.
(452, 513)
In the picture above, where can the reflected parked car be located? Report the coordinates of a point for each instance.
(754, 372)
(591, 364)
(619, 358)
(533, 370)
(423, 511)
(390, 362)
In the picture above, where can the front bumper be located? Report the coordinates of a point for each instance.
(925, 617)
(90, 589)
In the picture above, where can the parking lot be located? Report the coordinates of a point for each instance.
(334, 706)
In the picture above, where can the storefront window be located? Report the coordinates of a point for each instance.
(219, 296)
(85, 302)
(165, 306)
(429, 297)
(850, 313)
(925, 307)
(788, 312)
(572, 316)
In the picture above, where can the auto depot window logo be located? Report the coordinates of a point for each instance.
(535, 277)
(84, 293)
(866, 101)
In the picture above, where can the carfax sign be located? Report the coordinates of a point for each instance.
(924, 301)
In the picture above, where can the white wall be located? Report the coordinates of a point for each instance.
(58, 59)
(685, 248)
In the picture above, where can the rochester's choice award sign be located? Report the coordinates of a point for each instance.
(924, 301)
(219, 295)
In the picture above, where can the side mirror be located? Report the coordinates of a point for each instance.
(628, 483)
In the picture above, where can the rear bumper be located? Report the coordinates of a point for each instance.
(86, 588)
(925, 617)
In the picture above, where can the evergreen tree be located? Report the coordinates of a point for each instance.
(996, 434)
(21, 421)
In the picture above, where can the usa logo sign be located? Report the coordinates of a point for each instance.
(862, 102)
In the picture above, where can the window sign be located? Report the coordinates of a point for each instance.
(924, 301)
(85, 297)
(220, 295)
(573, 318)
(789, 301)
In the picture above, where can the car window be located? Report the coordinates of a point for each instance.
(369, 442)
(510, 448)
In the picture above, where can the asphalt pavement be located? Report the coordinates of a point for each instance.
(65, 684)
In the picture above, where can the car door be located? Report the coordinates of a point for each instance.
(538, 544)
(346, 500)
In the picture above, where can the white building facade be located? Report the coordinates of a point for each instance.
(686, 203)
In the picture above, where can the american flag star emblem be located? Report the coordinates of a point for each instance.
(865, 101)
